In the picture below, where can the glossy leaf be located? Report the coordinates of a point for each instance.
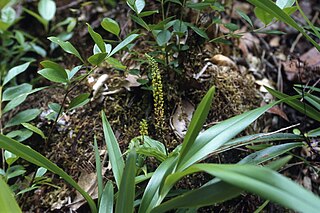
(197, 121)
(97, 38)
(22, 117)
(219, 134)
(66, 46)
(124, 43)
(106, 202)
(115, 155)
(79, 101)
(13, 92)
(13, 72)
(47, 9)
(163, 37)
(53, 75)
(151, 196)
(7, 201)
(98, 58)
(111, 26)
(127, 186)
(34, 129)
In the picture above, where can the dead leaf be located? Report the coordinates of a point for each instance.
(222, 60)
(181, 118)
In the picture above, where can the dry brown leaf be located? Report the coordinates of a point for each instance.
(222, 60)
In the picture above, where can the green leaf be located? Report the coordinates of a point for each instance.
(7, 200)
(218, 135)
(106, 202)
(163, 37)
(98, 169)
(79, 101)
(151, 196)
(13, 72)
(34, 129)
(111, 26)
(47, 9)
(74, 71)
(140, 21)
(66, 46)
(115, 156)
(124, 43)
(197, 30)
(265, 17)
(115, 63)
(20, 99)
(232, 27)
(314, 133)
(245, 17)
(97, 38)
(284, 3)
(53, 75)
(269, 153)
(197, 121)
(36, 158)
(10, 158)
(296, 104)
(98, 58)
(136, 5)
(52, 65)
(13, 92)
(20, 135)
(127, 185)
(22, 117)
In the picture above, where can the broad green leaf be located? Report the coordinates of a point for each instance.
(54, 75)
(232, 27)
(245, 17)
(20, 99)
(98, 170)
(284, 3)
(261, 14)
(265, 183)
(111, 26)
(8, 17)
(98, 58)
(314, 133)
(97, 38)
(257, 138)
(115, 156)
(20, 135)
(10, 157)
(97, 50)
(124, 43)
(136, 5)
(214, 191)
(151, 196)
(66, 46)
(13, 72)
(296, 104)
(15, 171)
(115, 63)
(7, 201)
(79, 101)
(72, 72)
(106, 202)
(163, 37)
(140, 21)
(127, 186)
(148, 13)
(197, 121)
(216, 136)
(52, 65)
(47, 9)
(36, 158)
(197, 30)
(13, 92)
(22, 117)
(34, 129)
(40, 172)
(269, 153)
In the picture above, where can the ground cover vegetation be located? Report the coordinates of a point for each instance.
(159, 106)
